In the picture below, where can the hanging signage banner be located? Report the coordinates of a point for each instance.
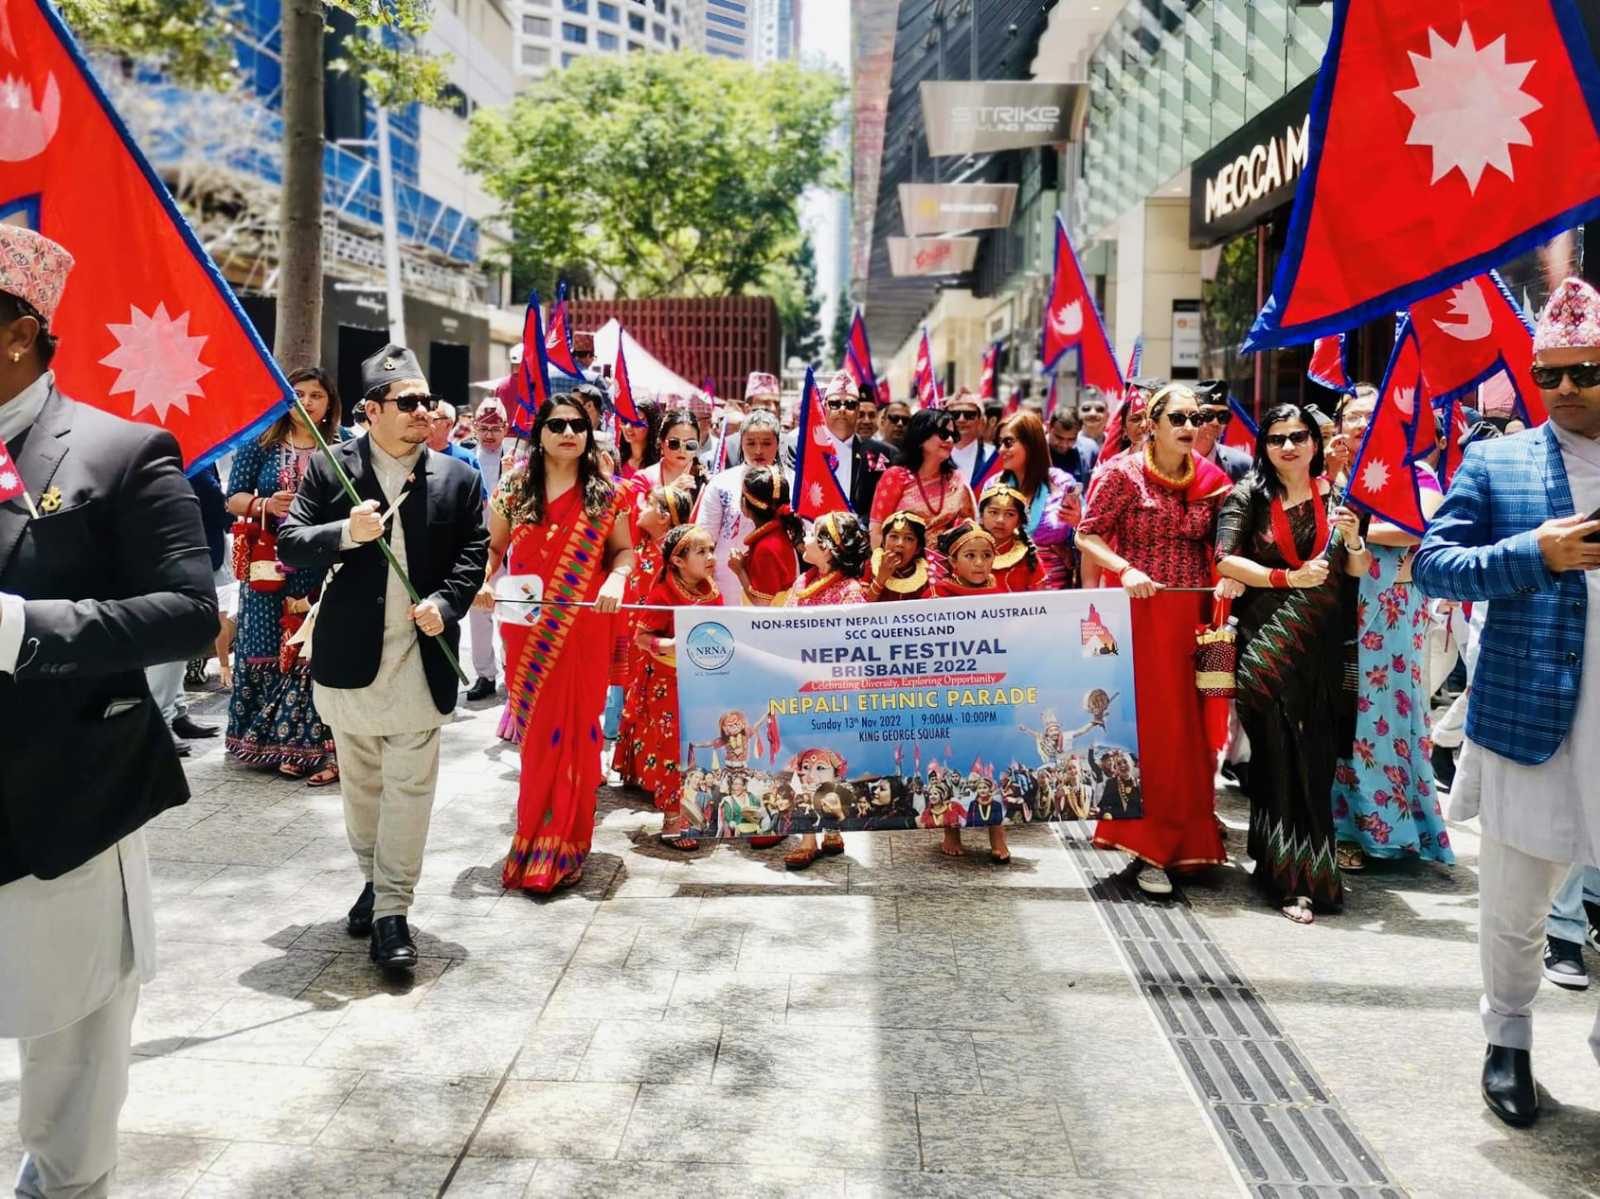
(932, 255)
(928, 714)
(953, 207)
(1243, 178)
(975, 118)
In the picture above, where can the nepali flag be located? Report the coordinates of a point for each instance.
(988, 382)
(774, 741)
(627, 408)
(1329, 366)
(11, 484)
(151, 330)
(531, 389)
(1450, 453)
(1470, 332)
(924, 381)
(558, 345)
(816, 490)
(1072, 322)
(1242, 429)
(1135, 358)
(1382, 480)
(1050, 400)
(885, 393)
(858, 357)
(1446, 136)
(1014, 401)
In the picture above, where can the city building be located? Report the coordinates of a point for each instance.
(728, 27)
(551, 34)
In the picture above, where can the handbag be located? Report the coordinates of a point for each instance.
(1216, 654)
(244, 538)
(266, 572)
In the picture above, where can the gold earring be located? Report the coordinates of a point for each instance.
(16, 355)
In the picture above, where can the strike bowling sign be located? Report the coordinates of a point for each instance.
(954, 713)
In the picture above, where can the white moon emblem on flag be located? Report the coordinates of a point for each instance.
(819, 436)
(1469, 303)
(26, 130)
(1405, 399)
(157, 360)
(1468, 106)
(1069, 321)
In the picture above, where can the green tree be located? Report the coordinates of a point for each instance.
(667, 174)
(1227, 311)
(793, 284)
(843, 313)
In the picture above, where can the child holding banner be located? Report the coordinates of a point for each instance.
(900, 566)
(1004, 512)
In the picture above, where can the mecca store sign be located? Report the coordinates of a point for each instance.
(1242, 180)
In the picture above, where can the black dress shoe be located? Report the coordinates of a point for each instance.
(1444, 766)
(359, 921)
(481, 690)
(1508, 1085)
(192, 729)
(392, 946)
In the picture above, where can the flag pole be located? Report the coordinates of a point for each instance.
(388, 550)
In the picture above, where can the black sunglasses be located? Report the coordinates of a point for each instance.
(965, 414)
(841, 405)
(1582, 374)
(1179, 419)
(1278, 440)
(566, 424)
(897, 419)
(412, 403)
(1091, 410)
(1007, 442)
(945, 433)
(679, 443)
(1219, 416)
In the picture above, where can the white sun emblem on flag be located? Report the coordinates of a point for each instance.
(158, 361)
(1375, 477)
(814, 495)
(1468, 106)
(8, 481)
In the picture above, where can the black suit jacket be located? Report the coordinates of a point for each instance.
(447, 548)
(869, 458)
(115, 579)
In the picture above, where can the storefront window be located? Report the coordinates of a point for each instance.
(1227, 309)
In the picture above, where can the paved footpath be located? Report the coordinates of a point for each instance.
(887, 1024)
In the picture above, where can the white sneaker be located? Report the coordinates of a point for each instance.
(1154, 882)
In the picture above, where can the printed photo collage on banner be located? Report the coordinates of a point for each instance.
(958, 713)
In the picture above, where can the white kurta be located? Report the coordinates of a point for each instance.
(1552, 810)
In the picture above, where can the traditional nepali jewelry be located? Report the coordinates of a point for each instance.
(974, 532)
(1009, 557)
(997, 490)
(822, 584)
(901, 584)
(1279, 579)
(944, 491)
(1176, 482)
(1283, 532)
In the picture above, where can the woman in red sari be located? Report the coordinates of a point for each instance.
(558, 520)
(1152, 520)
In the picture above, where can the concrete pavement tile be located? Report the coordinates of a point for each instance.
(262, 1029)
(847, 1059)
(154, 1167)
(165, 1019)
(1047, 1066)
(664, 1051)
(705, 949)
(171, 880)
(184, 967)
(730, 998)
(685, 1180)
(552, 1050)
(247, 1171)
(972, 871)
(409, 1114)
(556, 1119)
(351, 980)
(1101, 1127)
(594, 990)
(214, 840)
(423, 1041)
(966, 1135)
(826, 914)
(672, 915)
(996, 911)
(869, 951)
(869, 1130)
(509, 982)
(246, 1101)
(907, 1184)
(607, 945)
(492, 1177)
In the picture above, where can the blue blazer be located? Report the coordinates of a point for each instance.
(1481, 547)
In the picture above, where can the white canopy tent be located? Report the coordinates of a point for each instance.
(650, 376)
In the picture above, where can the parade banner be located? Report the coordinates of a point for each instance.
(952, 713)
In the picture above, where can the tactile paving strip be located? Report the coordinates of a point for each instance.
(1288, 1135)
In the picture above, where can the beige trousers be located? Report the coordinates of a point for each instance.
(388, 784)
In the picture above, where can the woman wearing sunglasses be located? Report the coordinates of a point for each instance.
(925, 482)
(1150, 521)
(680, 464)
(1053, 500)
(1385, 803)
(558, 519)
(1276, 536)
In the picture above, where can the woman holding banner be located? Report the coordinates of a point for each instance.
(1275, 536)
(561, 526)
(1151, 520)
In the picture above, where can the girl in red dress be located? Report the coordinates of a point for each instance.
(769, 562)
(1151, 520)
(560, 519)
(836, 552)
(969, 549)
(900, 566)
(664, 509)
(688, 556)
(1003, 511)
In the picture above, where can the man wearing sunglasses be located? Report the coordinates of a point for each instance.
(1213, 397)
(490, 424)
(382, 682)
(859, 462)
(1515, 531)
(892, 422)
(971, 455)
(1094, 413)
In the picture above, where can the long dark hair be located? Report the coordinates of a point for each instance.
(924, 425)
(994, 495)
(279, 431)
(1028, 429)
(697, 468)
(765, 496)
(525, 485)
(846, 540)
(651, 411)
(1266, 475)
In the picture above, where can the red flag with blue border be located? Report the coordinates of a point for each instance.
(1329, 366)
(1381, 477)
(1469, 332)
(558, 345)
(626, 406)
(858, 357)
(1072, 322)
(925, 380)
(532, 389)
(1242, 430)
(816, 491)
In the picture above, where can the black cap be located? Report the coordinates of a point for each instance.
(392, 364)
(1148, 383)
(1212, 389)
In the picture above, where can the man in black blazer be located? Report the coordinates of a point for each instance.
(382, 681)
(861, 461)
(110, 576)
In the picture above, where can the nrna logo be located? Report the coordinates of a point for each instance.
(710, 645)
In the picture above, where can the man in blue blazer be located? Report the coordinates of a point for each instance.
(1515, 533)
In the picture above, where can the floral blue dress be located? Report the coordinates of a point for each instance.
(1384, 797)
(272, 720)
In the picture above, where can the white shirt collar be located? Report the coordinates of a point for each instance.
(17, 416)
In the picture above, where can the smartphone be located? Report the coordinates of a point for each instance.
(1595, 536)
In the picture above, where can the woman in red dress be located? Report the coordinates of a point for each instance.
(769, 562)
(926, 482)
(688, 557)
(1003, 511)
(1152, 519)
(560, 520)
(836, 552)
(969, 549)
(900, 564)
(665, 509)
